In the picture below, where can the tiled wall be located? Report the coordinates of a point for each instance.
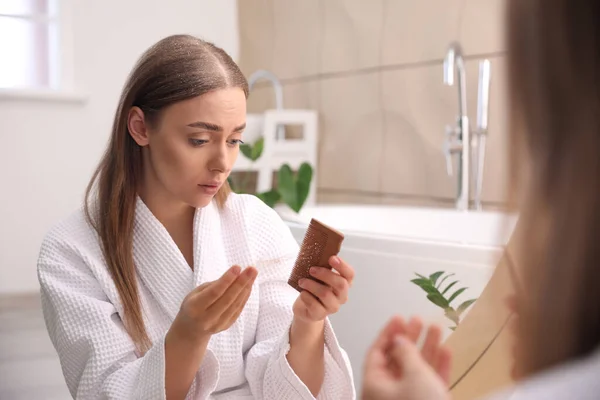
(373, 70)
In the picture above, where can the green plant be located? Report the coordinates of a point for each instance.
(253, 151)
(292, 187)
(432, 285)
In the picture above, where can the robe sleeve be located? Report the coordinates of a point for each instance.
(96, 354)
(267, 370)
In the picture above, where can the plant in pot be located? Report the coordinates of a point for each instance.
(291, 187)
(441, 297)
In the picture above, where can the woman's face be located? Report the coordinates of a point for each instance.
(190, 152)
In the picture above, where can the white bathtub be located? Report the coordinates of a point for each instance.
(387, 245)
(412, 223)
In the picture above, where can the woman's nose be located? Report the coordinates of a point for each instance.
(219, 161)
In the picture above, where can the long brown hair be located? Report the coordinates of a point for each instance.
(554, 79)
(176, 68)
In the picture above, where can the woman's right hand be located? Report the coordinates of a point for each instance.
(214, 306)
(210, 308)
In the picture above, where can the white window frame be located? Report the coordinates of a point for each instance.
(63, 87)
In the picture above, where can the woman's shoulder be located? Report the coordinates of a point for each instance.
(71, 233)
(250, 207)
(577, 380)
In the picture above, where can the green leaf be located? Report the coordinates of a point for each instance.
(246, 150)
(464, 306)
(449, 286)
(270, 198)
(287, 186)
(438, 300)
(439, 285)
(435, 276)
(421, 281)
(452, 315)
(257, 149)
(305, 174)
(456, 294)
(421, 276)
(426, 285)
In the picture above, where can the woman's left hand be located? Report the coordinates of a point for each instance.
(319, 300)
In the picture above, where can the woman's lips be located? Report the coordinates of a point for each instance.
(211, 188)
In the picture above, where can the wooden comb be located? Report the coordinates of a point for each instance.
(319, 244)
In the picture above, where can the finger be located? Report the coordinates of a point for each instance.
(444, 364)
(246, 277)
(212, 291)
(233, 312)
(395, 326)
(406, 355)
(431, 345)
(240, 304)
(323, 293)
(338, 283)
(343, 268)
(413, 331)
(316, 310)
(199, 289)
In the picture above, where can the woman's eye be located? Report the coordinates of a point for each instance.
(197, 142)
(236, 142)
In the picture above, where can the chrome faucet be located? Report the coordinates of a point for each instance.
(458, 137)
(277, 88)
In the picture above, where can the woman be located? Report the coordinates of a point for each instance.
(554, 78)
(143, 293)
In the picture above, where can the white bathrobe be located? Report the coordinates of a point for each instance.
(83, 311)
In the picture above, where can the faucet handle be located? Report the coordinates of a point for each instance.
(451, 145)
(451, 132)
(448, 156)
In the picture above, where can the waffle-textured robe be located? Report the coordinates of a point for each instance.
(83, 311)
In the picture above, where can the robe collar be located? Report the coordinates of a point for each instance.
(161, 266)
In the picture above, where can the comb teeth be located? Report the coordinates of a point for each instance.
(318, 240)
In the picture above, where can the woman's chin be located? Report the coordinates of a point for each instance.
(202, 201)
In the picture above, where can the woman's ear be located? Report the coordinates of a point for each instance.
(138, 128)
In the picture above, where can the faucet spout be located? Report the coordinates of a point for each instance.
(277, 88)
(449, 62)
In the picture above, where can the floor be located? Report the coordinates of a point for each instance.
(29, 366)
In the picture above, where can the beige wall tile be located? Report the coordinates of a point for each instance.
(261, 98)
(346, 197)
(301, 95)
(257, 39)
(297, 37)
(417, 108)
(351, 133)
(407, 201)
(416, 31)
(351, 36)
(482, 26)
(297, 95)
